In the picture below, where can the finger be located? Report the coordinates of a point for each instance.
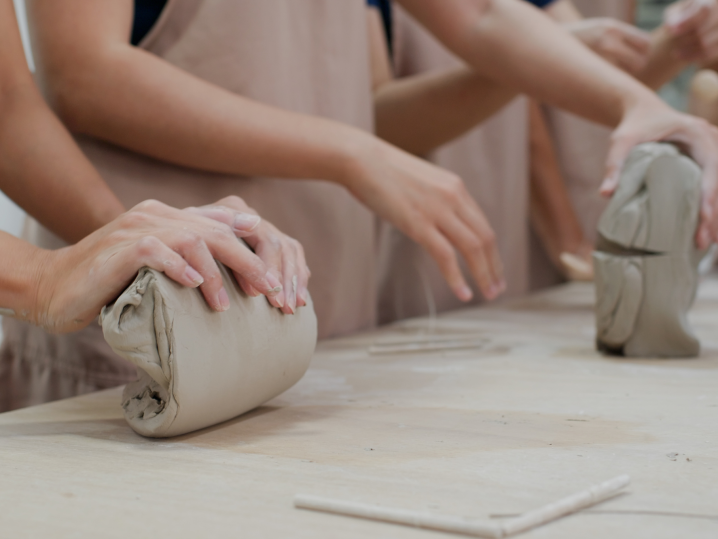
(303, 275)
(637, 39)
(473, 248)
(267, 245)
(627, 58)
(238, 257)
(241, 223)
(291, 280)
(477, 222)
(236, 203)
(151, 252)
(192, 248)
(445, 256)
(621, 146)
(244, 285)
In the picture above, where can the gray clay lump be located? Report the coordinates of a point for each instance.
(646, 262)
(198, 367)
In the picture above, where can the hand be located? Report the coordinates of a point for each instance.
(694, 27)
(621, 44)
(432, 207)
(74, 283)
(284, 256)
(655, 121)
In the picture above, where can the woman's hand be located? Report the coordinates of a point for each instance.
(656, 121)
(693, 24)
(74, 283)
(284, 256)
(623, 45)
(432, 207)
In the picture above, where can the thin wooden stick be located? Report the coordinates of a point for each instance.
(415, 519)
(433, 345)
(566, 506)
(474, 528)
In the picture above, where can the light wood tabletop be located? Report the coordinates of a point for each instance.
(511, 410)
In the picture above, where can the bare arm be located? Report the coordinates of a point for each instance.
(41, 168)
(93, 78)
(64, 290)
(518, 46)
(422, 112)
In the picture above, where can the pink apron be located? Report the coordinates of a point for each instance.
(308, 56)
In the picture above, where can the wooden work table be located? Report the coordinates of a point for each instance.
(529, 414)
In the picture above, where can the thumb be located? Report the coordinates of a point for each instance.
(617, 155)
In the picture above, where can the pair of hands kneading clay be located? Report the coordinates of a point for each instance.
(198, 367)
(646, 262)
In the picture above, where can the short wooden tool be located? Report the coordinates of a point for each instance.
(465, 526)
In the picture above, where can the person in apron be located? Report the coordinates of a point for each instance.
(235, 96)
(581, 147)
(492, 159)
(63, 290)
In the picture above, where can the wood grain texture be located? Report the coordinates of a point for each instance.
(529, 416)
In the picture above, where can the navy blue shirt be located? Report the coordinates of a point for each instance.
(146, 14)
(541, 3)
(384, 6)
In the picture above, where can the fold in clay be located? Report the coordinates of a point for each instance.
(646, 265)
(198, 367)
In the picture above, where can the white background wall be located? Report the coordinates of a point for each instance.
(11, 217)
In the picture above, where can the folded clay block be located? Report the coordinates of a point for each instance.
(198, 367)
(646, 263)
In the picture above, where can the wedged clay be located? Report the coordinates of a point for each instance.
(198, 367)
(646, 262)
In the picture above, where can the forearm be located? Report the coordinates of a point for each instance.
(547, 64)
(19, 276)
(663, 62)
(421, 113)
(184, 120)
(44, 172)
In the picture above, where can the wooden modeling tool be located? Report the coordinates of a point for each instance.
(466, 526)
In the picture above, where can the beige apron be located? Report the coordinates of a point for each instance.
(582, 149)
(493, 162)
(309, 56)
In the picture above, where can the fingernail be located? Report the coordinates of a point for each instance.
(302, 297)
(276, 286)
(222, 300)
(293, 295)
(465, 293)
(246, 222)
(193, 276)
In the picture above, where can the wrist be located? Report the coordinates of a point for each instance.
(356, 154)
(23, 281)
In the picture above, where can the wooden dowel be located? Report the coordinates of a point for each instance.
(426, 346)
(566, 506)
(400, 516)
(474, 528)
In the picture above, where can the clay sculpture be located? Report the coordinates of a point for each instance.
(646, 262)
(198, 367)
